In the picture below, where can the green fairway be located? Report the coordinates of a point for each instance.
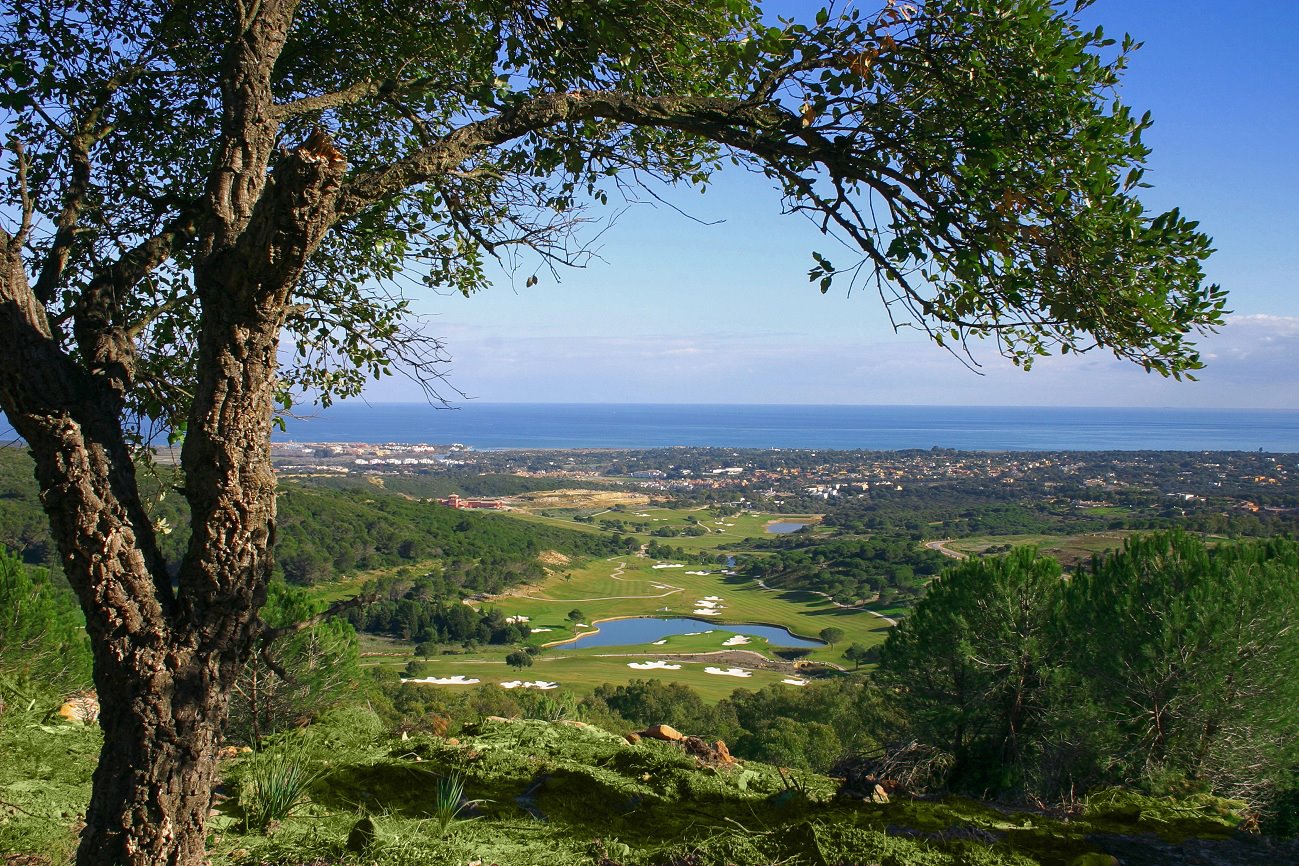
(720, 533)
(638, 586)
(635, 585)
(578, 673)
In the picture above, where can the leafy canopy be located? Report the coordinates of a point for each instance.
(969, 158)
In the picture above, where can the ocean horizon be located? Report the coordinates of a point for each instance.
(498, 426)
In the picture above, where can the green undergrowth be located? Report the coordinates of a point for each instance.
(45, 769)
(538, 792)
(535, 793)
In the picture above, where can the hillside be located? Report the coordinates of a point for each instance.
(564, 793)
(325, 534)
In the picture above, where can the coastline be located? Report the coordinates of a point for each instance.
(601, 427)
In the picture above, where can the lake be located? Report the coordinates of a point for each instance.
(647, 629)
(785, 527)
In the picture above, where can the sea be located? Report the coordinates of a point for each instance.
(494, 426)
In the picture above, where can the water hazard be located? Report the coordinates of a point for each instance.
(785, 527)
(647, 629)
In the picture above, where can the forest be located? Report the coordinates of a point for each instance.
(850, 569)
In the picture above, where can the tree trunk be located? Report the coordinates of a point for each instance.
(153, 785)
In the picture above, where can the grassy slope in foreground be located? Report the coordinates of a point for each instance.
(566, 794)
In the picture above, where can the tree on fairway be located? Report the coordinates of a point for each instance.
(206, 205)
(857, 653)
(575, 616)
(519, 659)
(832, 635)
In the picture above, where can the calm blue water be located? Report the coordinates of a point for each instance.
(784, 527)
(647, 629)
(501, 425)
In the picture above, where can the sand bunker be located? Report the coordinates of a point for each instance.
(703, 611)
(794, 681)
(655, 665)
(735, 641)
(712, 598)
(535, 630)
(457, 680)
(660, 642)
(699, 572)
(706, 603)
(514, 619)
(669, 565)
(728, 672)
(520, 684)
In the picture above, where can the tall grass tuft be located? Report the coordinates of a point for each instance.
(449, 803)
(273, 785)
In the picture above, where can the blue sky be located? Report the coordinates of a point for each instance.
(676, 311)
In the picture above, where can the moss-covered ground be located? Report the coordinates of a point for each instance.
(564, 793)
(45, 768)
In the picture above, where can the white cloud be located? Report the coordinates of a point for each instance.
(1250, 363)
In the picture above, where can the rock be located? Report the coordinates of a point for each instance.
(633, 738)
(405, 736)
(225, 753)
(879, 795)
(663, 732)
(707, 754)
(82, 709)
(498, 719)
(362, 835)
(1094, 859)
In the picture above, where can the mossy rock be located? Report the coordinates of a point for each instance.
(1200, 816)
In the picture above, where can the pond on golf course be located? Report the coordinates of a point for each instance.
(647, 629)
(785, 527)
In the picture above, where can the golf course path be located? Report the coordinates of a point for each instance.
(946, 551)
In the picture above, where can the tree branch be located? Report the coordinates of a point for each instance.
(270, 635)
(352, 95)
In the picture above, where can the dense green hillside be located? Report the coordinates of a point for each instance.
(327, 533)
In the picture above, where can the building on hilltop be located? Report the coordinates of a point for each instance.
(455, 501)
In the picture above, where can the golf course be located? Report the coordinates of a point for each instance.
(594, 600)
